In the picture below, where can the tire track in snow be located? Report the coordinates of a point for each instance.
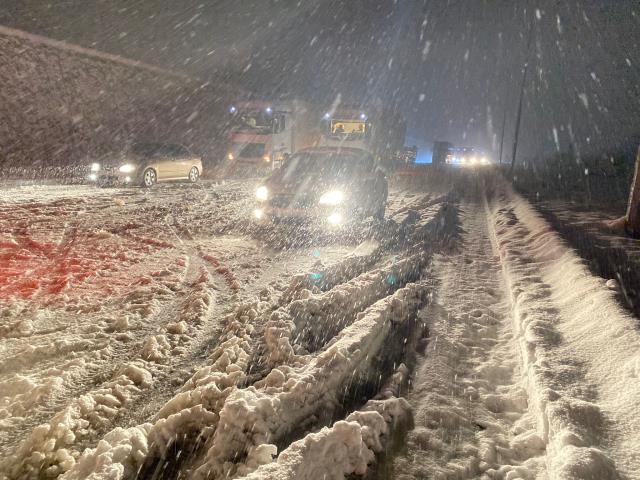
(470, 408)
(96, 392)
(184, 424)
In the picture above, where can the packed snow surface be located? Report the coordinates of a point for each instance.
(159, 334)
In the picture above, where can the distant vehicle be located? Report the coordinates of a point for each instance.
(263, 134)
(329, 185)
(146, 164)
(441, 152)
(466, 157)
(408, 155)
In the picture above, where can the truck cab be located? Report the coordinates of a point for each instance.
(377, 130)
(263, 134)
(259, 133)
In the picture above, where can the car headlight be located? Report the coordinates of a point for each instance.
(127, 168)
(334, 219)
(230, 156)
(334, 197)
(95, 167)
(262, 193)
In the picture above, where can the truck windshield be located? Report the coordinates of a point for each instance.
(349, 129)
(253, 121)
(250, 150)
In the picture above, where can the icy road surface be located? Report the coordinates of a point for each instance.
(158, 334)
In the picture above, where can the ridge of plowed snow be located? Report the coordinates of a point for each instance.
(580, 349)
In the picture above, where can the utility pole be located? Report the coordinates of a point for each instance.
(519, 115)
(504, 123)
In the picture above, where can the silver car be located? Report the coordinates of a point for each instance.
(146, 164)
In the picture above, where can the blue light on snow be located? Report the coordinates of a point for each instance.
(316, 276)
(316, 253)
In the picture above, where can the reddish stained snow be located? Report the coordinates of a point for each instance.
(45, 252)
(223, 270)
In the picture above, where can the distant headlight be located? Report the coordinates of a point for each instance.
(95, 167)
(127, 168)
(262, 193)
(334, 197)
(230, 156)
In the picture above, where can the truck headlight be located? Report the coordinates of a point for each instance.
(95, 167)
(127, 168)
(334, 197)
(262, 193)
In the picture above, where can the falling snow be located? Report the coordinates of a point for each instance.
(199, 311)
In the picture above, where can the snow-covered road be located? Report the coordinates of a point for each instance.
(157, 334)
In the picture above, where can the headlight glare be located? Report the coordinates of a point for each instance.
(334, 197)
(334, 219)
(127, 168)
(95, 167)
(262, 193)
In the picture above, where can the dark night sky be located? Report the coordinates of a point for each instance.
(453, 65)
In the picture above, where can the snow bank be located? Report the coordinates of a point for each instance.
(311, 320)
(580, 349)
(308, 323)
(117, 455)
(51, 448)
(330, 453)
(198, 303)
(348, 447)
(192, 412)
(273, 407)
(325, 277)
(19, 393)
